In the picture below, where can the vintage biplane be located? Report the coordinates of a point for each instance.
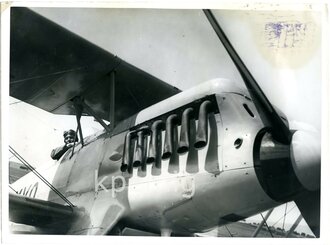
(169, 162)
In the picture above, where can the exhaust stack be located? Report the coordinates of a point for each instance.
(185, 131)
(139, 154)
(202, 129)
(127, 152)
(155, 130)
(171, 121)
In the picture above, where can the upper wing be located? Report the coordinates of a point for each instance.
(29, 211)
(50, 65)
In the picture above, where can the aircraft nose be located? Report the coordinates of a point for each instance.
(305, 154)
(286, 170)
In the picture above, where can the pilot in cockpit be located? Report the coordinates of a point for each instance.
(69, 138)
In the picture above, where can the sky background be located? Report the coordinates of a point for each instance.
(282, 49)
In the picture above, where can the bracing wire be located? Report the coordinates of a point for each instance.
(13, 189)
(16, 102)
(283, 216)
(231, 235)
(270, 232)
(40, 176)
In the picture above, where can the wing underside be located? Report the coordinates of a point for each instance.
(50, 65)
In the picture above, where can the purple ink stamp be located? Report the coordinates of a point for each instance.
(285, 34)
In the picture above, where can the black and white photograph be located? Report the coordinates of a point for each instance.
(158, 121)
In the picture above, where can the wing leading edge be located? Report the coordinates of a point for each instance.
(49, 66)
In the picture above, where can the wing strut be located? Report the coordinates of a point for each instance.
(75, 141)
(112, 100)
(79, 109)
(294, 226)
(264, 221)
(80, 105)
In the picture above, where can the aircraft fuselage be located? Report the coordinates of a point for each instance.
(131, 179)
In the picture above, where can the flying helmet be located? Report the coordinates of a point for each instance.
(71, 133)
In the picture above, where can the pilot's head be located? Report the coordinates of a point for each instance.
(69, 136)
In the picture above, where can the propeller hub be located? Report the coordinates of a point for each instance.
(306, 158)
